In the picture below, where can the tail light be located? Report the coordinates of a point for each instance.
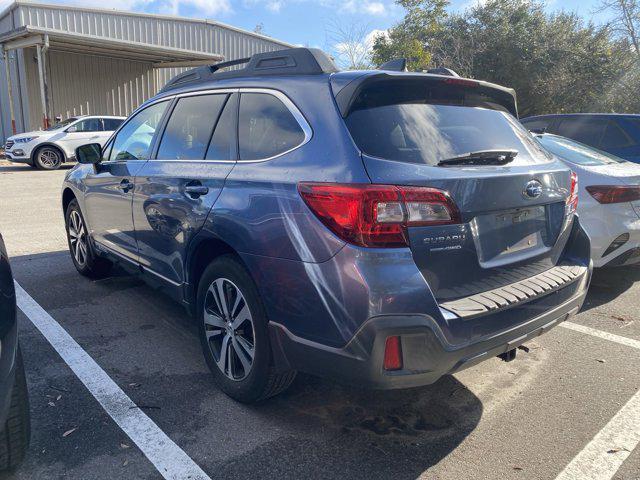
(614, 193)
(377, 215)
(572, 201)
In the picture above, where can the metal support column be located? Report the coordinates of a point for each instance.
(10, 91)
(43, 86)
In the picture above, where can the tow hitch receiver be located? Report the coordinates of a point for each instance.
(508, 356)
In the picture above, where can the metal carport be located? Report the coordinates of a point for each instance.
(46, 41)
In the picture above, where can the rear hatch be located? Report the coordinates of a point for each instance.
(462, 137)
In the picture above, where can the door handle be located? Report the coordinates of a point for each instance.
(195, 189)
(125, 185)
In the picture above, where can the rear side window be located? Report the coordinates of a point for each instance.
(584, 129)
(414, 123)
(266, 127)
(133, 142)
(189, 129)
(89, 125)
(223, 141)
(111, 124)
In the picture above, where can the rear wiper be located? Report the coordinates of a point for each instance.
(482, 157)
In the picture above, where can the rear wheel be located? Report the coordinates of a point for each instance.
(48, 158)
(84, 259)
(14, 437)
(234, 334)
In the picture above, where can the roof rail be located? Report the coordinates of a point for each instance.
(290, 61)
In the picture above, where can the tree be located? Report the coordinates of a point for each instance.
(555, 62)
(626, 20)
(351, 44)
(412, 36)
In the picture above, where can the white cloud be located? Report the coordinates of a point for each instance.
(362, 6)
(170, 7)
(375, 8)
(275, 5)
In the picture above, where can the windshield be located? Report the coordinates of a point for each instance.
(412, 125)
(576, 152)
(62, 124)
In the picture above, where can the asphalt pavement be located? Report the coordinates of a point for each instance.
(569, 398)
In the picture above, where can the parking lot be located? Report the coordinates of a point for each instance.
(570, 396)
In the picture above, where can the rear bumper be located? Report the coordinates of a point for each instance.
(427, 354)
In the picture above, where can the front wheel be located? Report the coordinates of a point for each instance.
(234, 333)
(87, 263)
(48, 158)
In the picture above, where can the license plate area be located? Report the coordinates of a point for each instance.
(511, 235)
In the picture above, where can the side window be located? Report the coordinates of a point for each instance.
(189, 129)
(584, 129)
(89, 125)
(111, 124)
(266, 127)
(222, 146)
(614, 137)
(133, 142)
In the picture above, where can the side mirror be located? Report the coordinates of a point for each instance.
(72, 129)
(89, 154)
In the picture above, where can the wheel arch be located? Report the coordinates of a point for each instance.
(49, 144)
(68, 195)
(205, 249)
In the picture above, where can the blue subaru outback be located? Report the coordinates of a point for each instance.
(382, 228)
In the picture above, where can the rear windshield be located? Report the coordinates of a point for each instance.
(425, 124)
(576, 152)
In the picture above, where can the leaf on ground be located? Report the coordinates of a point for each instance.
(616, 450)
(124, 445)
(518, 469)
(69, 432)
(601, 360)
(524, 348)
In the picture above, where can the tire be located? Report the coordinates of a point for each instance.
(15, 435)
(248, 337)
(87, 263)
(47, 158)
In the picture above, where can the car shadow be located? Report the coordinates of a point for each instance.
(316, 428)
(15, 167)
(608, 284)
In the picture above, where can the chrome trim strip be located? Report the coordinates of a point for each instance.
(168, 280)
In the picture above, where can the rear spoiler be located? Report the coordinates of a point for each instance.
(346, 92)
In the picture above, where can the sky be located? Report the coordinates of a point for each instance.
(300, 22)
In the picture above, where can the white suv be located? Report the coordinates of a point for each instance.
(48, 149)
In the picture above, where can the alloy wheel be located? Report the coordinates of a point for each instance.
(229, 329)
(78, 238)
(49, 158)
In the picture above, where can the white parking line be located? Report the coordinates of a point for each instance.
(169, 459)
(629, 342)
(605, 453)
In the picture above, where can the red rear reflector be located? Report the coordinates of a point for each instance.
(377, 215)
(393, 354)
(614, 193)
(572, 200)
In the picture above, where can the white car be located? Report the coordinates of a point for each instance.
(48, 149)
(608, 200)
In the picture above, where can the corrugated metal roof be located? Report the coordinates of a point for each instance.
(198, 35)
